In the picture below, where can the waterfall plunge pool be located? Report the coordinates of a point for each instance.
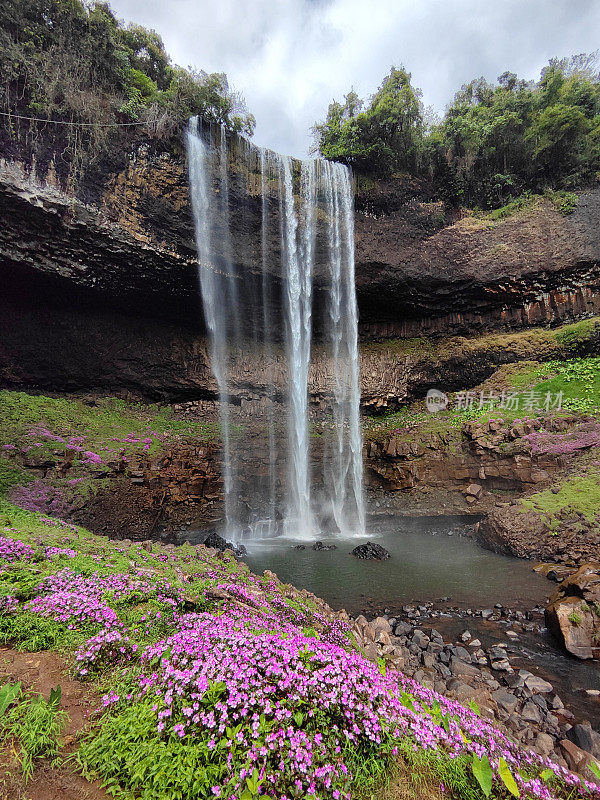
(436, 560)
(433, 560)
(430, 558)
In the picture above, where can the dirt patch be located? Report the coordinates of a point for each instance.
(40, 672)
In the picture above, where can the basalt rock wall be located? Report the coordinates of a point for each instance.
(100, 279)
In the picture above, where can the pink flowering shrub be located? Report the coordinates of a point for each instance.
(108, 648)
(260, 696)
(583, 437)
(263, 702)
(68, 552)
(74, 599)
(15, 550)
(39, 496)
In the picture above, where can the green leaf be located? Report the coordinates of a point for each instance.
(8, 694)
(483, 774)
(298, 718)
(507, 778)
(595, 767)
(474, 707)
(55, 695)
(547, 774)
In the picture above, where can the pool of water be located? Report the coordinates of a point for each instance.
(430, 558)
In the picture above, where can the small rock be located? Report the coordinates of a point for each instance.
(544, 744)
(536, 684)
(466, 636)
(506, 700)
(531, 712)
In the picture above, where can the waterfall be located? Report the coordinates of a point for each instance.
(268, 318)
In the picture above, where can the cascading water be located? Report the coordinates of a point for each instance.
(316, 249)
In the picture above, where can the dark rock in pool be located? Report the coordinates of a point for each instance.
(321, 546)
(218, 543)
(370, 550)
(299, 547)
(214, 540)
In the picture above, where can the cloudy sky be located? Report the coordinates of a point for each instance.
(290, 58)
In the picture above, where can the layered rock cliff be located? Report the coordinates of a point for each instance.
(100, 282)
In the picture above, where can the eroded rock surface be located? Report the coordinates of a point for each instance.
(573, 614)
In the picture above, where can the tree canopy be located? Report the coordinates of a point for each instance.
(73, 60)
(494, 142)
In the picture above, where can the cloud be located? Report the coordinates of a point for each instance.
(290, 58)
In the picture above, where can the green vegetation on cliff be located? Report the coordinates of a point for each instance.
(578, 496)
(495, 142)
(74, 61)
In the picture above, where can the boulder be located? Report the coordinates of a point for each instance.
(584, 737)
(572, 614)
(577, 759)
(370, 550)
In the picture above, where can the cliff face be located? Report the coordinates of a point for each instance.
(100, 284)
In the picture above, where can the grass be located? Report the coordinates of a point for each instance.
(579, 494)
(91, 438)
(538, 343)
(34, 723)
(107, 419)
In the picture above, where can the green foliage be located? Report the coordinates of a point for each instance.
(483, 773)
(575, 618)
(385, 138)
(426, 768)
(106, 419)
(36, 724)
(525, 201)
(577, 495)
(128, 744)
(564, 202)
(74, 61)
(8, 694)
(578, 380)
(32, 633)
(507, 778)
(495, 144)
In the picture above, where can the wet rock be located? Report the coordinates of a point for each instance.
(370, 550)
(501, 665)
(402, 629)
(300, 547)
(321, 546)
(531, 712)
(577, 759)
(459, 667)
(420, 639)
(462, 653)
(381, 624)
(571, 614)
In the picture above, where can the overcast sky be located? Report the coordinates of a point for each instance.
(290, 58)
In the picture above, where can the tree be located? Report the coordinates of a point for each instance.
(385, 137)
